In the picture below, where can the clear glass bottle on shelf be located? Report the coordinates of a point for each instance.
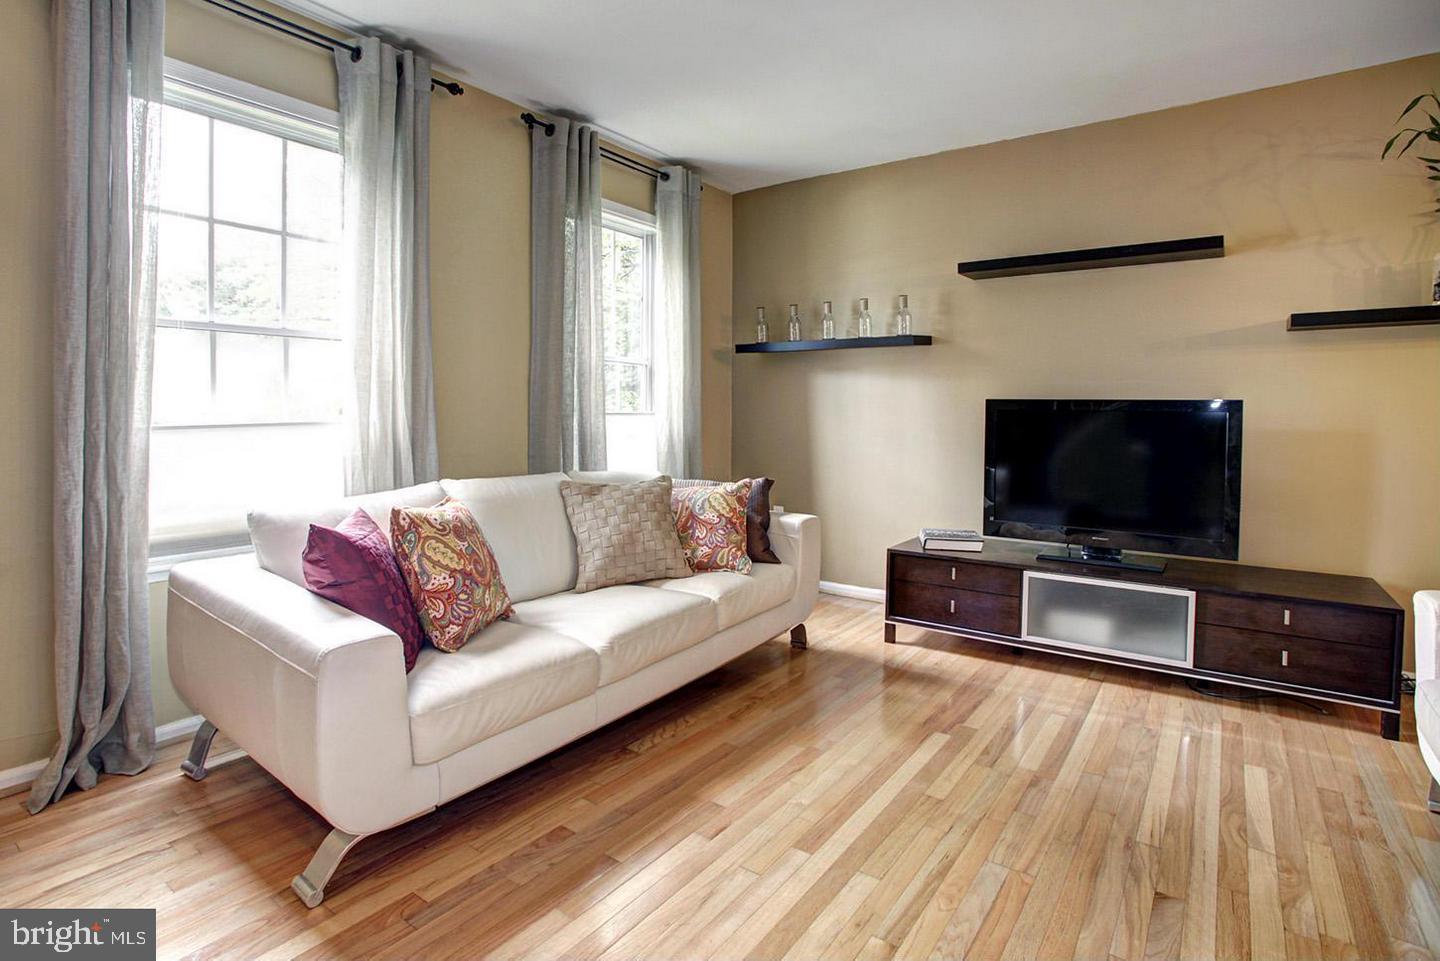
(902, 319)
(865, 325)
(795, 322)
(762, 329)
(827, 323)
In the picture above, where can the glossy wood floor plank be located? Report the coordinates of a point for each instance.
(933, 799)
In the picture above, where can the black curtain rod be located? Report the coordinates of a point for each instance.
(303, 33)
(616, 158)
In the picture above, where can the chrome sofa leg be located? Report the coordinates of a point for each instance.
(797, 637)
(1433, 803)
(309, 885)
(194, 764)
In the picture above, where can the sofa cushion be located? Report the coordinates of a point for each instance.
(624, 533)
(353, 565)
(279, 534)
(450, 570)
(630, 626)
(738, 597)
(611, 476)
(524, 520)
(507, 675)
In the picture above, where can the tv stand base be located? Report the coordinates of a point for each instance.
(1114, 560)
(1314, 636)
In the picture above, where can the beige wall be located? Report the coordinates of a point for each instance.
(717, 337)
(480, 290)
(1342, 445)
(27, 698)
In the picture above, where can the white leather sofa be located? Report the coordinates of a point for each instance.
(319, 696)
(1427, 686)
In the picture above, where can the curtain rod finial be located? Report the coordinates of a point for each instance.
(533, 121)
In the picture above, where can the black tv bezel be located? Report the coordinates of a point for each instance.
(1225, 548)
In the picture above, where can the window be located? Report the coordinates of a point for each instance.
(248, 352)
(627, 264)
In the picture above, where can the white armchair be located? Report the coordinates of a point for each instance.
(1427, 686)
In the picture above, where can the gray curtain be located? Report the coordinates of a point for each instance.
(677, 336)
(567, 352)
(109, 67)
(385, 272)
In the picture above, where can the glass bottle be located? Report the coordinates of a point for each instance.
(762, 329)
(902, 319)
(827, 323)
(865, 326)
(795, 322)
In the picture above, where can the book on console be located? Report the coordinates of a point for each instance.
(947, 539)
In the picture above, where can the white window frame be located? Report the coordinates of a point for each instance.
(225, 98)
(641, 224)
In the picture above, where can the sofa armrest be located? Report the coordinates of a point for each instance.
(795, 538)
(292, 623)
(1427, 635)
(313, 692)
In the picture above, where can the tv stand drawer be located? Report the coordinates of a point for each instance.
(961, 609)
(1353, 669)
(966, 575)
(1298, 618)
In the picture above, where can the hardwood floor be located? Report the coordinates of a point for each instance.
(930, 799)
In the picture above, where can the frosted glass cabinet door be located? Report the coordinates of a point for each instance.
(1132, 620)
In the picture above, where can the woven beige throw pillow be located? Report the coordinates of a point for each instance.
(624, 533)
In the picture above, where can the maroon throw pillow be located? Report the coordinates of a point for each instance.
(353, 565)
(757, 517)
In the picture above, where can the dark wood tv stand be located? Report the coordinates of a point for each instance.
(1325, 636)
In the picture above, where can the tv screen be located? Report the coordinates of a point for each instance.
(1151, 475)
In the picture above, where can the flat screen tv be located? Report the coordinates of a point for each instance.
(1160, 476)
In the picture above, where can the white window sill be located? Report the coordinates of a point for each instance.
(160, 565)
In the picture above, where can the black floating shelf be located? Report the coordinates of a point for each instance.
(1375, 317)
(839, 343)
(1126, 255)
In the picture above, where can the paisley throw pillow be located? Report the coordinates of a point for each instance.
(711, 525)
(757, 517)
(450, 571)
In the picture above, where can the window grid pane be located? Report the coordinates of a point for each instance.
(247, 343)
(627, 267)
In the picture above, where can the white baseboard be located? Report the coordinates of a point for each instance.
(851, 590)
(21, 775)
(12, 779)
(177, 730)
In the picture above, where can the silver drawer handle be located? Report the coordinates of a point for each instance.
(952, 605)
(1287, 617)
(1284, 658)
(952, 577)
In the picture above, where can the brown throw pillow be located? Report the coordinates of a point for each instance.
(624, 533)
(757, 517)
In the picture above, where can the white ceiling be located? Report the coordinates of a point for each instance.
(757, 92)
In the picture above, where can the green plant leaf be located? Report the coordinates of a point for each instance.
(1414, 137)
(1415, 103)
(1391, 142)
